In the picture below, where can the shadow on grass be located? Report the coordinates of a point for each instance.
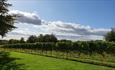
(8, 63)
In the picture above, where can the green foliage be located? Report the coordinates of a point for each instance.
(32, 39)
(85, 47)
(3, 42)
(22, 40)
(13, 41)
(8, 63)
(49, 38)
(42, 38)
(6, 20)
(110, 35)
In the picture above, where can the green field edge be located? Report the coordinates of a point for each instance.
(87, 61)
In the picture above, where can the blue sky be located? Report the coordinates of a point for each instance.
(67, 19)
(96, 13)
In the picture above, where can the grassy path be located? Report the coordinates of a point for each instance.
(36, 62)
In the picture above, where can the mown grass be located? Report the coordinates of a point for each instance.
(8, 63)
(36, 62)
(61, 55)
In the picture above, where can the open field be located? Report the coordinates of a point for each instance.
(36, 62)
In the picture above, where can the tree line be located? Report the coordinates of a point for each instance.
(32, 39)
(42, 38)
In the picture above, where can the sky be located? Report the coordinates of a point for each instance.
(68, 19)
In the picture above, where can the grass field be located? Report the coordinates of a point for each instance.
(36, 62)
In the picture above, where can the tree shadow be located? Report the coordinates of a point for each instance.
(8, 63)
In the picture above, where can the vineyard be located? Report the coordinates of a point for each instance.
(93, 52)
(81, 39)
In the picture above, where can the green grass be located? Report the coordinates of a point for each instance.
(36, 62)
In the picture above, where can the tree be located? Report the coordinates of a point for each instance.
(32, 39)
(47, 38)
(22, 40)
(13, 41)
(40, 38)
(53, 38)
(110, 36)
(6, 20)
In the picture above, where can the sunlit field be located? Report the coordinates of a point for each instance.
(36, 62)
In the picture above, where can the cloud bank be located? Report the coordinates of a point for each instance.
(30, 23)
(26, 17)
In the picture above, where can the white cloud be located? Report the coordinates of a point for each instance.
(26, 17)
(31, 24)
(80, 37)
(73, 28)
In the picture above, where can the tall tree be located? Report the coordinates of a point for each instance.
(22, 40)
(32, 39)
(13, 41)
(47, 38)
(6, 20)
(40, 38)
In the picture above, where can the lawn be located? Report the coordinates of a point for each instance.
(36, 62)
